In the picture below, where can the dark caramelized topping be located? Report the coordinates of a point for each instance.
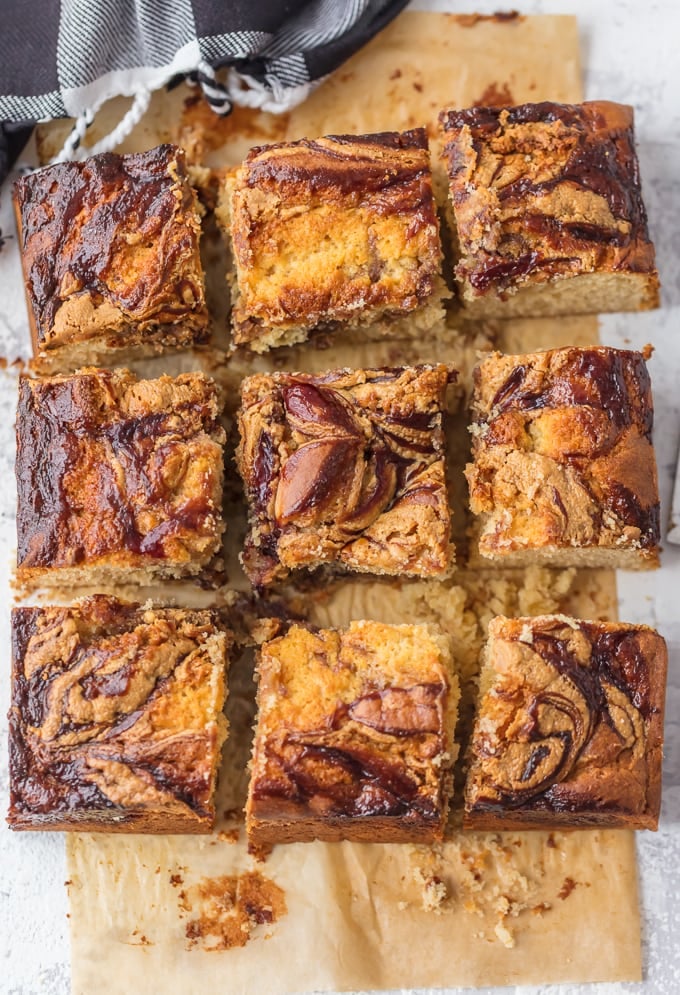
(352, 724)
(345, 774)
(349, 164)
(563, 196)
(115, 227)
(86, 682)
(338, 231)
(107, 480)
(580, 420)
(594, 711)
(600, 378)
(346, 453)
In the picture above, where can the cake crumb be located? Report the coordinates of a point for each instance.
(434, 890)
(504, 935)
(568, 886)
(230, 908)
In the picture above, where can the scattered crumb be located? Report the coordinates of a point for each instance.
(495, 95)
(140, 940)
(504, 935)
(568, 886)
(16, 365)
(500, 17)
(229, 835)
(176, 879)
(230, 908)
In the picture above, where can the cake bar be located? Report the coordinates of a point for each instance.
(119, 480)
(116, 720)
(341, 231)
(354, 736)
(546, 210)
(110, 254)
(569, 730)
(345, 468)
(563, 470)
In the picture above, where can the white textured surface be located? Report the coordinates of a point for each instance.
(630, 55)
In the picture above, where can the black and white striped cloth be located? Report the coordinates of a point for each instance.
(65, 58)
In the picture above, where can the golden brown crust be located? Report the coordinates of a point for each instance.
(354, 737)
(543, 192)
(563, 456)
(119, 474)
(345, 468)
(569, 731)
(110, 252)
(341, 229)
(116, 721)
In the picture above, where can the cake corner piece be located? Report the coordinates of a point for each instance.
(110, 257)
(546, 209)
(569, 727)
(116, 720)
(133, 491)
(563, 470)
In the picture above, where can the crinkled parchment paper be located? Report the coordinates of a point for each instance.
(188, 915)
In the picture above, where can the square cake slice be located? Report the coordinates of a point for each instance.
(119, 480)
(345, 468)
(546, 210)
(116, 721)
(341, 231)
(564, 472)
(354, 737)
(110, 253)
(569, 729)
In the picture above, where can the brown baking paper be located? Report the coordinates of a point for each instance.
(188, 915)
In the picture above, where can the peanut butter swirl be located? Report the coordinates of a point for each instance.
(347, 467)
(563, 454)
(112, 242)
(338, 229)
(353, 724)
(571, 724)
(116, 715)
(130, 472)
(544, 190)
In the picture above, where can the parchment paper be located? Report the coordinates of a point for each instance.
(177, 914)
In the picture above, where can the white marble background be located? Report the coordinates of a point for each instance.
(630, 54)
